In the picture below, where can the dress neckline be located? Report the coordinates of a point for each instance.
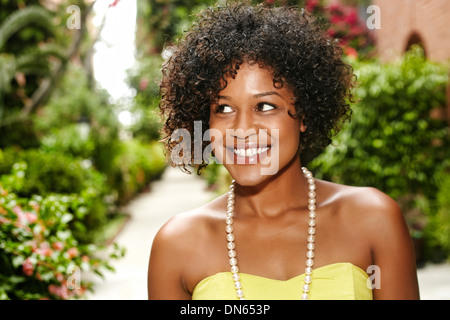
(319, 269)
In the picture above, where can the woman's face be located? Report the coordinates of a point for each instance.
(251, 131)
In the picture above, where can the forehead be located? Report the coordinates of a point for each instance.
(252, 79)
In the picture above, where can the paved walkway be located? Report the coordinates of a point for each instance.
(174, 193)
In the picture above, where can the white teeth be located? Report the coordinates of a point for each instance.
(249, 152)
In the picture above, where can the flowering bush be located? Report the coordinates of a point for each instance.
(39, 256)
(343, 24)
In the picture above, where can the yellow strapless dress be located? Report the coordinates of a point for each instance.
(338, 281)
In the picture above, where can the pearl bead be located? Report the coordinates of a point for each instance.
(306, 288)
(312, 222)
(311, 230)
(305, 296)
(230, 237)
(230, 245)
(309, 262)
(310, 254)
(308, 279)
(233, 261)
(237, 284)
(311, 238)
(310, 246)
(229, 220)
(229, 228)
(234, 269)
(232, 253)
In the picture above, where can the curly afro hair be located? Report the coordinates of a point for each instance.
(287, 40)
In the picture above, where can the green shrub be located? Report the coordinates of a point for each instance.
(438, 229)
(133, 165)
(46, 173)
(40, 258)
(395, 142)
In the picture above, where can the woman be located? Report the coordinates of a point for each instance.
(267, 86)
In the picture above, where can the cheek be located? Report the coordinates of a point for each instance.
(289, 139)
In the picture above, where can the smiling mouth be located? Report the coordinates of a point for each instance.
(249, 152)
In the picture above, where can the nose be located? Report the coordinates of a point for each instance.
(244, 126)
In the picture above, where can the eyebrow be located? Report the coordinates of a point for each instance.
(258, 95)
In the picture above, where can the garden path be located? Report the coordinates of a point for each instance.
(177, 192)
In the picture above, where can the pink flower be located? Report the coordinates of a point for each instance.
(18, 211)
(143, 84)
(58, 245)
(30, 217)
(59, 276)
(59, 291)
(44, 250)
(72, 252)
(4, 220)
(27, 267)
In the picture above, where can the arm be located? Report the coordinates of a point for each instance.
(392, 251)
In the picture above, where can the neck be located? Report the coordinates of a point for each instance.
(279, 194)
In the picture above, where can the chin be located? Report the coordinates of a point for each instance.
(249, 178)
(259, 175)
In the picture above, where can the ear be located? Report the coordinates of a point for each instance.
(302, 124)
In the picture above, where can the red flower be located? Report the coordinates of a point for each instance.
(72, 252)
(351, 52)
(114, 3)
(311, 5)
(352, 17)
(59, 291)
(27, 267)
(44, 250)
(58, 245)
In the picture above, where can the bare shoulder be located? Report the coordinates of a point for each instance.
(375, 219)
(185, 228)
(370, 206)
(379, 214)
(177, 248)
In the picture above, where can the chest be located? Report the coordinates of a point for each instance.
(276, 248)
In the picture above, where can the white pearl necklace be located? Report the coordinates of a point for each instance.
(310, 246)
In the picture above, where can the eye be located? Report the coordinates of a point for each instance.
(263, 106)
(223, 108)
